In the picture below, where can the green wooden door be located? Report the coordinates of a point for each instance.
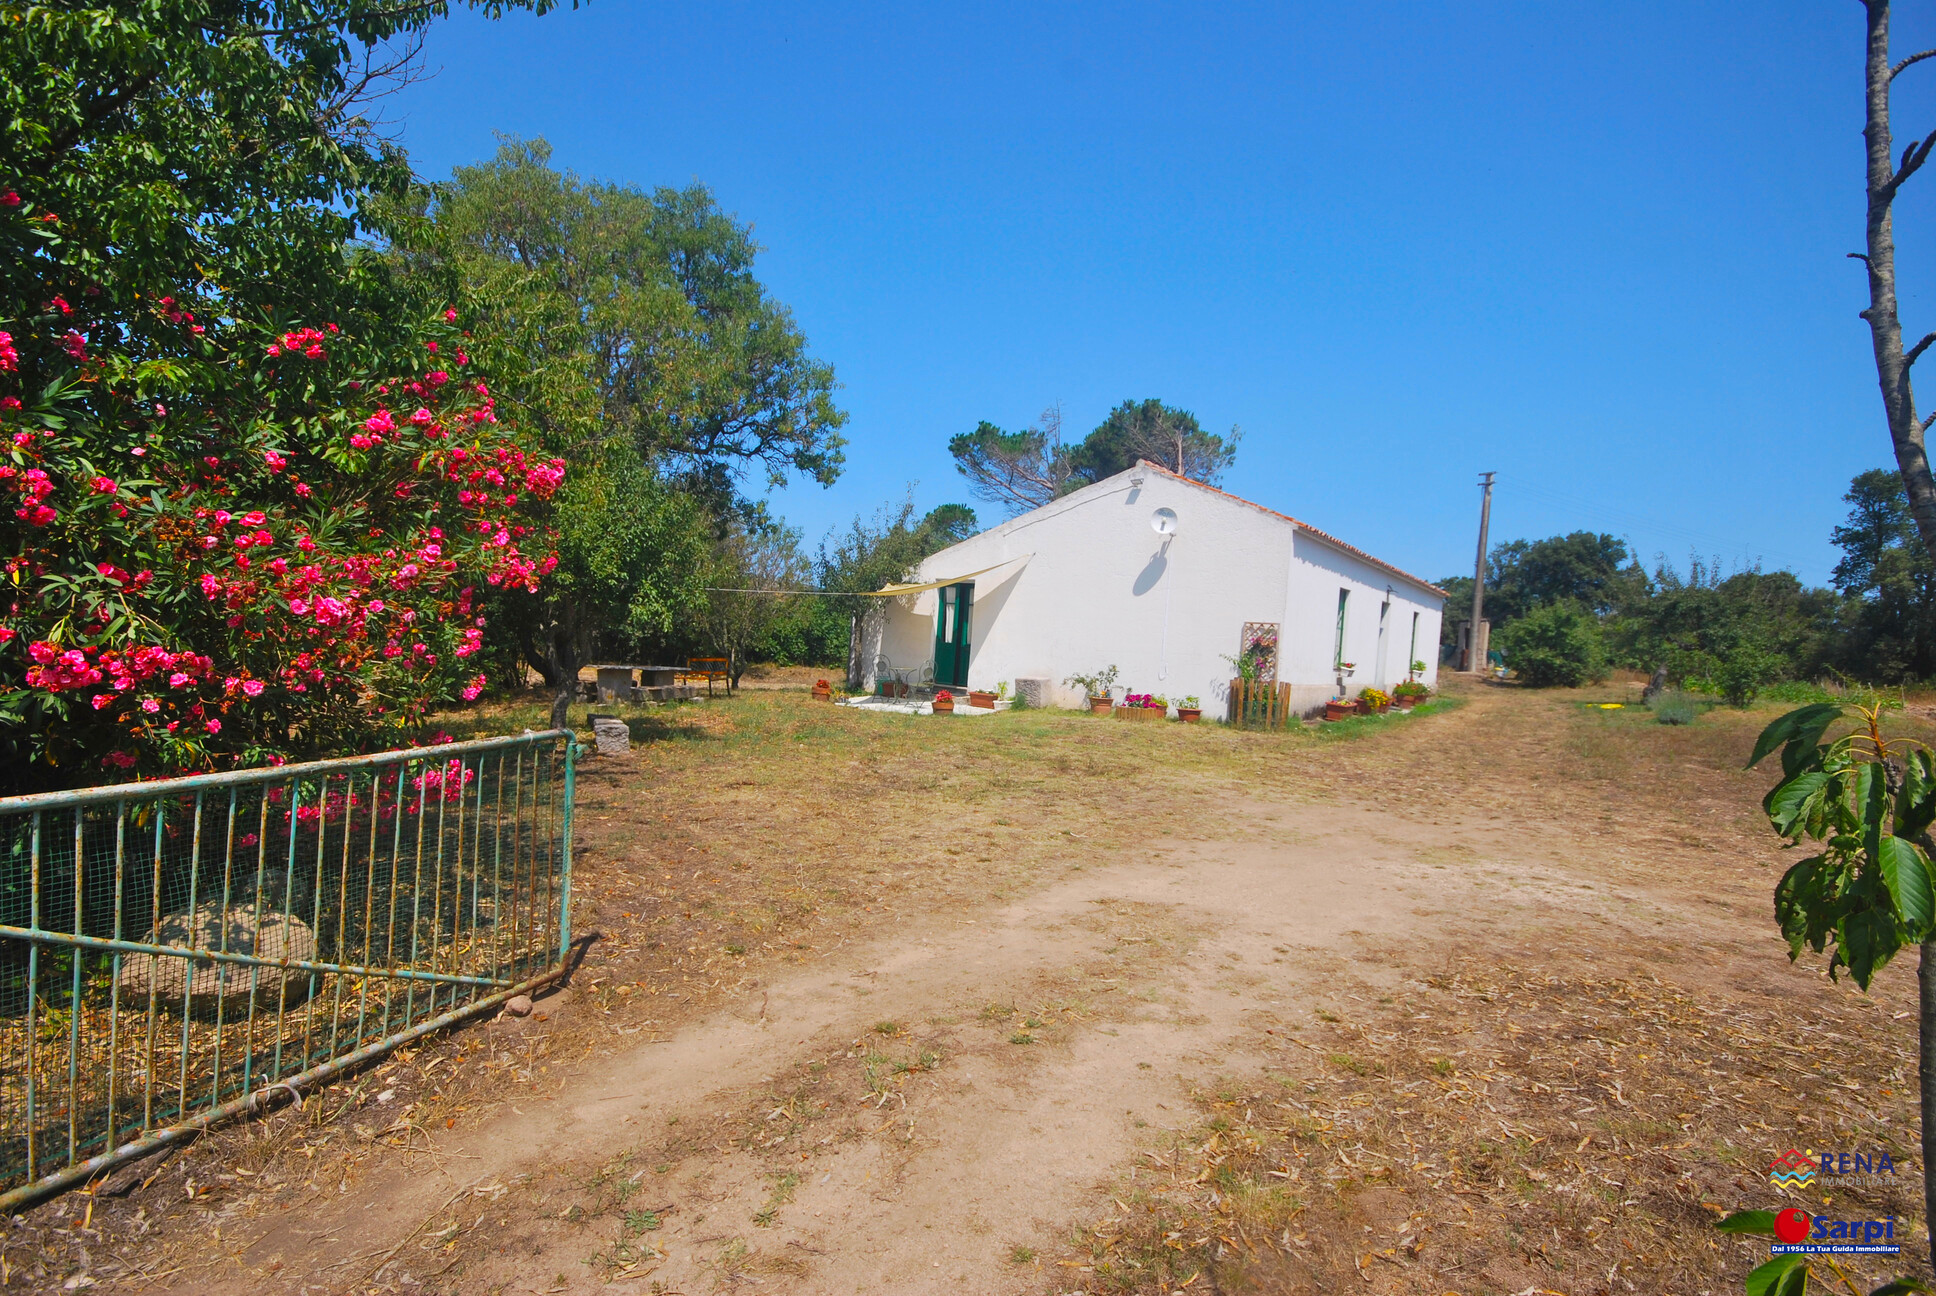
(951, 635)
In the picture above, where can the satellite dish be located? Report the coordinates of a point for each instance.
(1163, 521)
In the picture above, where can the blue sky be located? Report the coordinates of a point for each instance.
(1598, 249)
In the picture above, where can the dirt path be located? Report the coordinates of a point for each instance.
(937, 1178)
(1336, 996)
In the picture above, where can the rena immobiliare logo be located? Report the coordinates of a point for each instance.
(1792, 1169)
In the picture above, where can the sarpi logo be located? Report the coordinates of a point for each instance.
(1793, 1169)
(1799, 1233)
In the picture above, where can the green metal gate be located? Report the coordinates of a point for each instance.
(171, 952)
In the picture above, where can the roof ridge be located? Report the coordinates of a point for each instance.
(1303, 526)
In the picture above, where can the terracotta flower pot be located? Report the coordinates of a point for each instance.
(822, 691)
(1189, 715)
(1100, 706)
(1340, 710)
(944, 706)
(981, 698)
(1406, 701)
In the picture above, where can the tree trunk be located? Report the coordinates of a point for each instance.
(1906, 434)
(562, 651)
(1926, 1075)
(1885, 327)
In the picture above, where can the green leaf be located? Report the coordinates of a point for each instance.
(1871, 797)
(1762, 1222)
(1916, 802)
(1905, 870)
(1804, 726)
(1808, 903)
(1866, 941)
(1788, 802)
(1783, 1276)
(1900, 1287)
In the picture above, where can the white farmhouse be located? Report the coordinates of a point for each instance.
(1165, 579)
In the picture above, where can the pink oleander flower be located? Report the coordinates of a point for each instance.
(214, 726)
(104, 486)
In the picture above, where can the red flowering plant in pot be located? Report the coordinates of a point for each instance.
(944, 703)
(274, 547)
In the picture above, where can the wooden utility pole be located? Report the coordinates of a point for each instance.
(1480, 640)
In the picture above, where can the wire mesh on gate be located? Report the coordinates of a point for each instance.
(167, 947)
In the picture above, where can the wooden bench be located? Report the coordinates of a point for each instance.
(712, 670)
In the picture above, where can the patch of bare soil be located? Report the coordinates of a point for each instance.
(1487, 1001)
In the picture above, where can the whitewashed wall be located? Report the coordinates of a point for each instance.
(1102, 588)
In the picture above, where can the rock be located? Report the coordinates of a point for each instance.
(519, 1006)
(205, 981)
(613, 735)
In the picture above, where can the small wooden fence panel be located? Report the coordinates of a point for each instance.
(1260, 704)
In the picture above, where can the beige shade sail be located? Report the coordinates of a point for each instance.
(894, 591)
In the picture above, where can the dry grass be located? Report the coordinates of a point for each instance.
(743, 836)
(1550, 1125)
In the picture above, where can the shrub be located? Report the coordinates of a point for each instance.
(1742, 672)
(1559, 644)
(1674, 707)
(278, 551)
(1798, 693)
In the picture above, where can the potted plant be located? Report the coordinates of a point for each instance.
(944, 703)
(1339, 708)
(1372, 701)
(984, 700)
(822, 691)
(1142, 706)
(1096, 688)
(1188, 711)
(1410, 694)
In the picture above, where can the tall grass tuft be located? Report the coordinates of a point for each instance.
(1674, 707)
